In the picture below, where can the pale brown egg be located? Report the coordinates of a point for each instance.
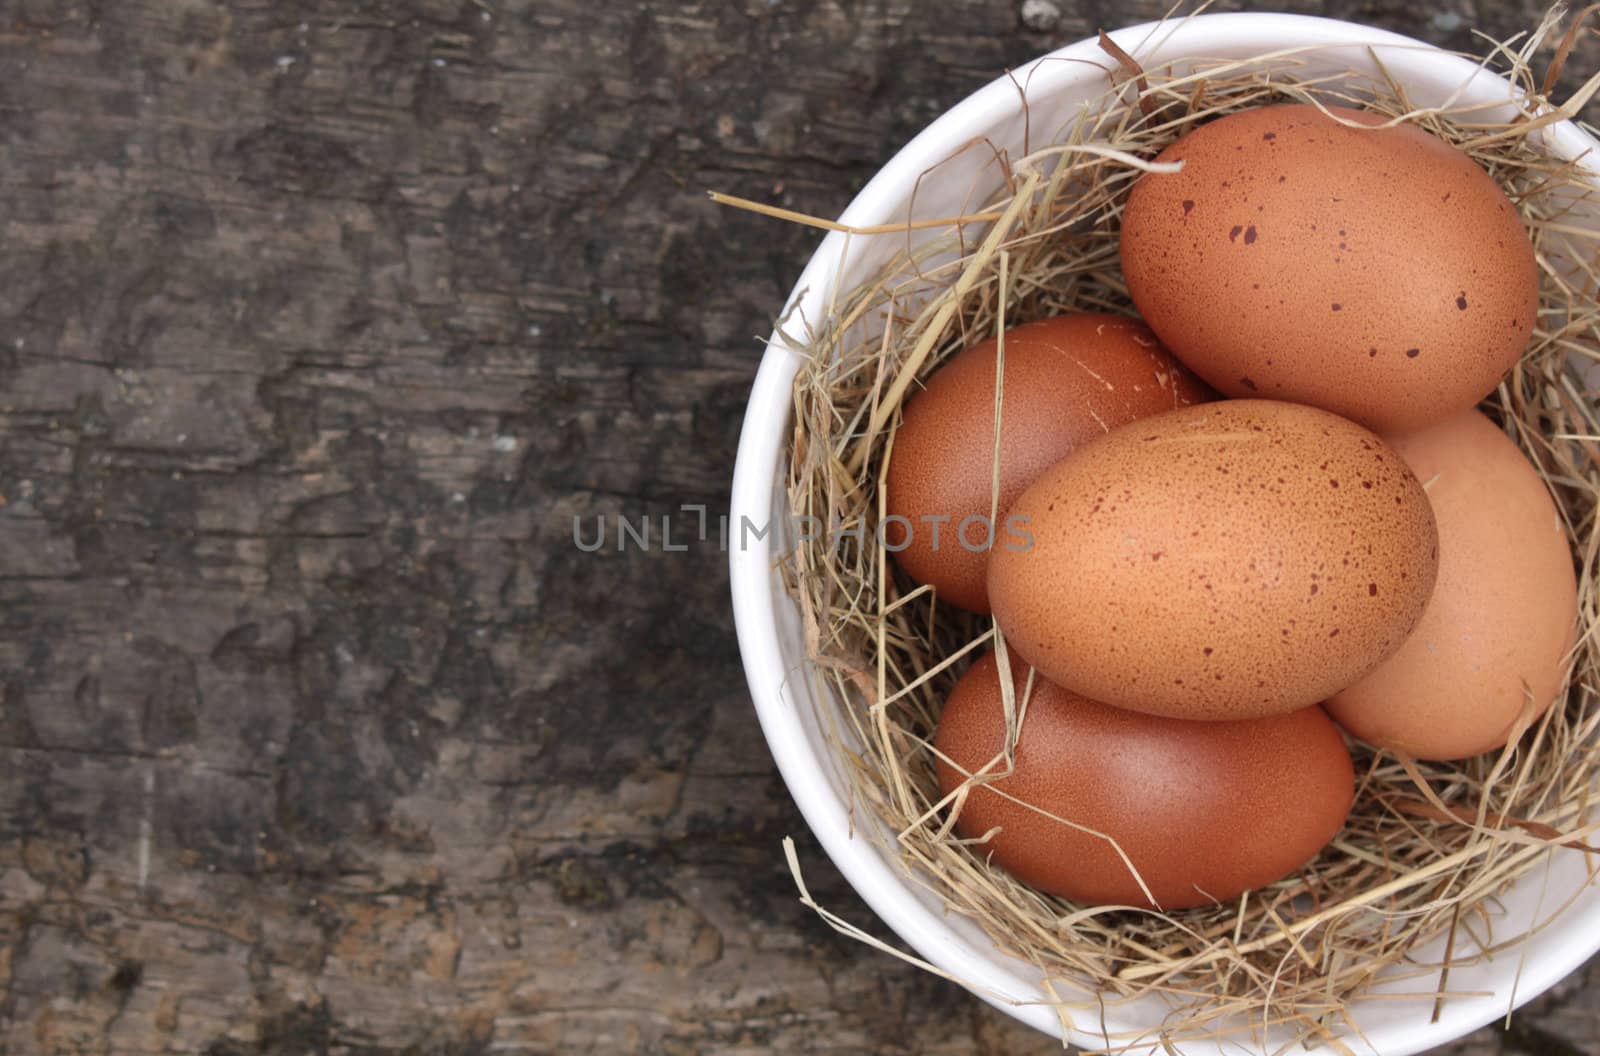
(1202, 810)
(1225, 561)
(1496, 634)
(1378, 273)
(1068, 379)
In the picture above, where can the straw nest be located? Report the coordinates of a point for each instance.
(1428, 846)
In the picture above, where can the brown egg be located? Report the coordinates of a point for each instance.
(1068, 379)
(1225, 561)
(1203, 810)
(1495, 635)
(1378, 273)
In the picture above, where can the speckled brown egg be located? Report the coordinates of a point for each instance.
(1203, 811)
(1225, 561)
(1495, 636)
(1378, 273)
(1067, 379)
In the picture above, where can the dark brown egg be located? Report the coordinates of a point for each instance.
(1068, 379)
(1235, 559)
(1202, 810)
(1378, 273)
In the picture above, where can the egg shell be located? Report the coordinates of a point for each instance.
(1225, 561)
(1067, 379)
(1377, 272)
(1203, 810)
(1497, 631)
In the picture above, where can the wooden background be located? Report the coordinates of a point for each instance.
(319, 322)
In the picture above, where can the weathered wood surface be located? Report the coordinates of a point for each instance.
(318, 323)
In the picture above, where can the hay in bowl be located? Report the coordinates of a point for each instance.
(1429, 848)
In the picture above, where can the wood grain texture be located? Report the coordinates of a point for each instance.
(321, 321)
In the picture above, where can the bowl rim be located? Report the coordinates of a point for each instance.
(755, 592)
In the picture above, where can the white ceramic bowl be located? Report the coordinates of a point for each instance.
(789, 698)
